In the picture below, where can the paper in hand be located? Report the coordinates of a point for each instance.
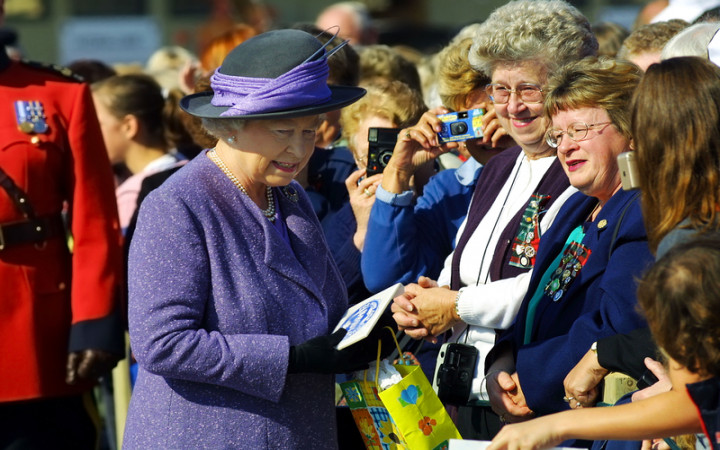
(361, 318)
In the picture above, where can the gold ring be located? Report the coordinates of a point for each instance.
(368, 192)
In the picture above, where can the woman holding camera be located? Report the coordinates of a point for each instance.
(517, 197)
(418, 231)
(679, 165)
(387, 104)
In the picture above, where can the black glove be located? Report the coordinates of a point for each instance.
(318, 355)
(89, 365)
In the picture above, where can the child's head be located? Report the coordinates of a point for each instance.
(680, 296)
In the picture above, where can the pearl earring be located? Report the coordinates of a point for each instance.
(231, 140)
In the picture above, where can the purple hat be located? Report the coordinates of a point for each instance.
(277, 74)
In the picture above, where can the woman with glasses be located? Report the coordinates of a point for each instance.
(583, 284)
(678, 174)
(516, 198)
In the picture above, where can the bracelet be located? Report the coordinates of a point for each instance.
(457, 304)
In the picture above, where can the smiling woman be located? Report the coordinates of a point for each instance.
(233, 291)
(583, 283)
(517, 196)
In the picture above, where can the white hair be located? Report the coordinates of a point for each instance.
(552, 32)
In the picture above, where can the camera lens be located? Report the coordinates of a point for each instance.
(385, 156)
(458, 128)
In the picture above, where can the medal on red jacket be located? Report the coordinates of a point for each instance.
(30, 116)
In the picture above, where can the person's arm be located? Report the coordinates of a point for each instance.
(404, 241)
(626, 352)
(664, 415)
(97, 312)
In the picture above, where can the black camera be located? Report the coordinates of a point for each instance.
(454, 376)
(381, 142)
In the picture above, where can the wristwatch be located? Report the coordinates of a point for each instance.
(593, 347)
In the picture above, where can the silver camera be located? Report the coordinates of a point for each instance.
(629, 174)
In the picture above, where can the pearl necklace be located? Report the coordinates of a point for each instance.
(269, 212)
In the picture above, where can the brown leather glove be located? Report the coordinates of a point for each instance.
(89, 365)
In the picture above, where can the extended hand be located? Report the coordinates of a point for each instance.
(319, 355)
(581, 383)
(536, 434)
(89, 365)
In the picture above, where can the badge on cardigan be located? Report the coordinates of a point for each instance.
(526, 242)
(573, 259)
(30, 117)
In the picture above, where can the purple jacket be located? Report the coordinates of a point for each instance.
(216, 299)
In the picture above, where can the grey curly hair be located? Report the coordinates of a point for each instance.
(550, 31)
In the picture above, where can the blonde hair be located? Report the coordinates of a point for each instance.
(392, 100)
(382, 62)
(456, 79)
(650, 38)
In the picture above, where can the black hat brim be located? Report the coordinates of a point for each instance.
(199, 105)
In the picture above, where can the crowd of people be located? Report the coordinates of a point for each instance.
(209, 219)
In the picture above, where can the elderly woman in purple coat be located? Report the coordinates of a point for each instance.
(233, 293)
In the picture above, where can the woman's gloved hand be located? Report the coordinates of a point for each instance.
(319, 355)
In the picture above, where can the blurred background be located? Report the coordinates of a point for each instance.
(129, 31)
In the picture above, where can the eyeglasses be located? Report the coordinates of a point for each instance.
(577, 131)
(526, 92)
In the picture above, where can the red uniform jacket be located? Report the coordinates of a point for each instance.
(52, 302)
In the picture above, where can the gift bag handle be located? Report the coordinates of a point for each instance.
(377, 364)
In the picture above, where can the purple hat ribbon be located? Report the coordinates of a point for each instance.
(304, 85)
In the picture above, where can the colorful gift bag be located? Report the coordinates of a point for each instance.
(372, 419)
(407, 415)
(417, 411)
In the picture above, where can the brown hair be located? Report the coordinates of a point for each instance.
(680, 296)
(138, 95)
(610, 37)
(676, 125)
(456, 78)
(595, 83)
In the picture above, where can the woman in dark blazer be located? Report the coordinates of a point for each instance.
(583, 284)
(233, 292)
